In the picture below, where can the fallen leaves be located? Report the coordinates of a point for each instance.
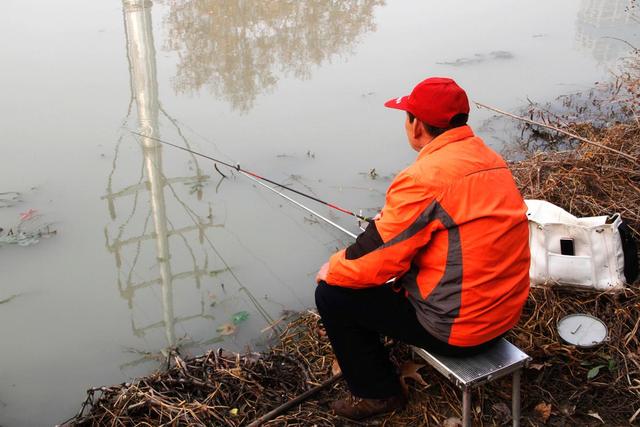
(538, 366)
(593, 372)
(322, 332)
(335, 368)
(410, 370)
(502, 411)
(226, 329)
(567, 409)
(542, 411)
(596, 416)
(231, 327)
(452, 422)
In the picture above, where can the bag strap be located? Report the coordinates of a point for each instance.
(630, 250)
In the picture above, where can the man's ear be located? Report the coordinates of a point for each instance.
(417, 128)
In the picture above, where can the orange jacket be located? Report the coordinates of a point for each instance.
(454, 231)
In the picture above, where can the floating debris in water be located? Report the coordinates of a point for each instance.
(232, 327)
(29, 214)
(239, 317)
(480, 57)
(213, 273)
(214, 299)
(226, 329)
(28, 232)
(197, 185)
(373, 175)
(11, 298)
(299, 179)
(9, 199)
(144, 357)
(310, 220)
(25, 238)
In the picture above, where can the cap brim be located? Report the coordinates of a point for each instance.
(398, 103)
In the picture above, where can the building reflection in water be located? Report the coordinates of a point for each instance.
(603, 27)
(142, 233)
(239, 48)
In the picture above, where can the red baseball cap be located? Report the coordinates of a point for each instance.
(434, 101)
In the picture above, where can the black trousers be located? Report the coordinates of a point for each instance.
(355, 320)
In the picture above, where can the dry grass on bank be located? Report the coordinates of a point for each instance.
(221, 388)
(588, 180)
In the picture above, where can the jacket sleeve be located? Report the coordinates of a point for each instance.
(385, 249)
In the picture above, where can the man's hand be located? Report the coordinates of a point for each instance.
(322, 273)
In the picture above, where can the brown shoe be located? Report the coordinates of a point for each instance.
(357, 408)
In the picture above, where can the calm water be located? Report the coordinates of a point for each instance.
(154, 251)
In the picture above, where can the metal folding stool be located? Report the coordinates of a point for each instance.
(499, 360)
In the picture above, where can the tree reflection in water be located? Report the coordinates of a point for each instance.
(240, 48)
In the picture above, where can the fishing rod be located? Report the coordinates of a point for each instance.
(258, 179)
(393, 279)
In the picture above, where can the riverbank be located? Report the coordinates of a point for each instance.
(562, 386)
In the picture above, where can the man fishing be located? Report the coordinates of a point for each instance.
(453, 233)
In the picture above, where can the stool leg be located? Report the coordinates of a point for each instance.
(466, 407)
(515, 398)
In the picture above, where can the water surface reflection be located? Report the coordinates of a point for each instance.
(240, 48)
(159, 229)
(604, 27)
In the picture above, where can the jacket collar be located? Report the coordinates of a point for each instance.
(453, 135)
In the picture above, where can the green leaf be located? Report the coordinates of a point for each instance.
(593, 372)
(239, 317)
(612, 365)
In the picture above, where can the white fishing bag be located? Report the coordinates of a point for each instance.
(581, 252)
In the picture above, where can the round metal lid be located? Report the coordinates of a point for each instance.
(582, 330)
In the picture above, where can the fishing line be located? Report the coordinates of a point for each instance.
(254, 175)
(261, 310)
(327, 220)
